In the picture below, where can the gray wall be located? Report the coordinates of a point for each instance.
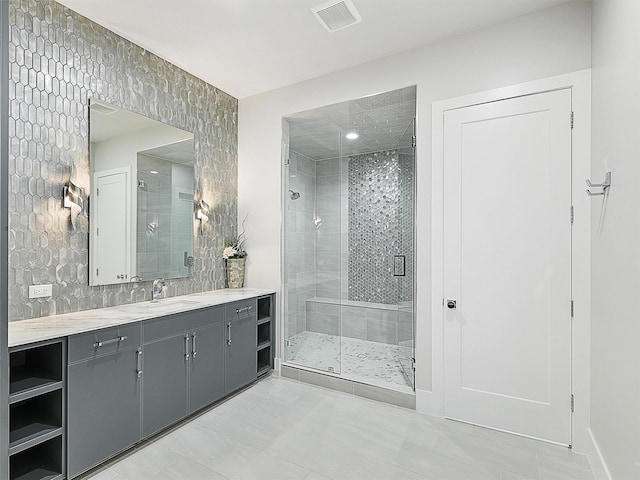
(330, 256)
(58, 60)
(615, 239)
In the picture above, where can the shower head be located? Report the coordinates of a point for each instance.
(294, 195)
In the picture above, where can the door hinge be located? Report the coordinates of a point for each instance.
(571, 308)
(97, 191)
(413, 364)
(414, 142)
(572, 214)
(97, 272)
(571, 120)
(573, 403)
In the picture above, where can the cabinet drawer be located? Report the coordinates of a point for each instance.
(178, 323)
(103, 342)
(241, 309)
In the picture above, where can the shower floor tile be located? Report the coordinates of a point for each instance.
(360, 360)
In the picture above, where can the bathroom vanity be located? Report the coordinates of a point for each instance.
(89, 385)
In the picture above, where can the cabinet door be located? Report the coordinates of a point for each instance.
(165, 383)
(206, 382)
(240, 354)
(103, 409)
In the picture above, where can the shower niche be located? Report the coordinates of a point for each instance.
(348, 199)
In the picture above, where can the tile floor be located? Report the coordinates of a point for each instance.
(282, 429)
(360, 360)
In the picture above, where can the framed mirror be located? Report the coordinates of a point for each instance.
(142, 197)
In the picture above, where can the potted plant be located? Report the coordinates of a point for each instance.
(235, 256)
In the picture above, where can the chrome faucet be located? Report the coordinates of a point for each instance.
(158, 290)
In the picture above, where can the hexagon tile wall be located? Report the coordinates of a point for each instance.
(58, 60)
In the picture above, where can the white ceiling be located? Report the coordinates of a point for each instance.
(245, 47)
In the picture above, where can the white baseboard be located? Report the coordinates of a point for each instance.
(428, 403)
(277, 362)
(596, 459)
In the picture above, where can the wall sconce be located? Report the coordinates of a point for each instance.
(202, 213)
(72, 198)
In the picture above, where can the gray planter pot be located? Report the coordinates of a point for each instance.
(235, 272)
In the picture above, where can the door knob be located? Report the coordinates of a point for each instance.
(451, 304)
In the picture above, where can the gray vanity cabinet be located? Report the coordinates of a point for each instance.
(206, 377)
(129, 382)
(240, 344)
(177, 382)
(165, 383)
(104, 392)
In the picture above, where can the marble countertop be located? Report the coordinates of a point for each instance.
(23, 332)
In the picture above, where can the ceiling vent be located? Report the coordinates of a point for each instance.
(102, 108)
(337, 15)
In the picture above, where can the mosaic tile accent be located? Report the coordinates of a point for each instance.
(374, 197)
(57, 61)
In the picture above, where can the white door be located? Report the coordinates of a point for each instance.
(110, 227)
(507, 265)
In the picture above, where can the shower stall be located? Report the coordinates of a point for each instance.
(348, 199)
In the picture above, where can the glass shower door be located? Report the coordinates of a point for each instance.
(404, 272)
(312, 320)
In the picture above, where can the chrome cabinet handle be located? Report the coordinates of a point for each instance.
(139, 363)
(186, 348)
(193, 345)
(109, 342)
(243, 309)
(228, 333)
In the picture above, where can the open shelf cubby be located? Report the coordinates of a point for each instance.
(36, 411)
(42, 462)
(34, 420)
(264, 340)
(264, 308)
(35, 370)
(264, 335)
(264, 360)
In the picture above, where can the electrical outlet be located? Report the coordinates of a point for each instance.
(39, 291)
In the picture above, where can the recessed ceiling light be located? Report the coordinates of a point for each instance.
(351, 136)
